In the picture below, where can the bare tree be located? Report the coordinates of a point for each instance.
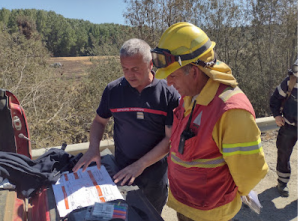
(256, 38)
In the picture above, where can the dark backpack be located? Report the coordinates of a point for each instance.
(14, 133)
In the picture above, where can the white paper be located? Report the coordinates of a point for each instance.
(252, 201)
(81, 189)
(6, 185)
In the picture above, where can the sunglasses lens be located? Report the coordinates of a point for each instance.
(159, 60)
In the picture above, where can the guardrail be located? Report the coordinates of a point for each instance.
(264, 124)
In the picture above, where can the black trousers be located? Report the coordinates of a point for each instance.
(286, 140)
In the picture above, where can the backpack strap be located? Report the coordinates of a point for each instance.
(291, 84)
(3, 99)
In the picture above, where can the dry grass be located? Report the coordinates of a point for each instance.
(75, 67)
(72, 67)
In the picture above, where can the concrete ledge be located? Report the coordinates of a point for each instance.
(264, 124)
(74, 149)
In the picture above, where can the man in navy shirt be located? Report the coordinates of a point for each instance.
(284, 107)
(142, 109)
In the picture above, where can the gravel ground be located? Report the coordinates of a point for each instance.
(275, 208)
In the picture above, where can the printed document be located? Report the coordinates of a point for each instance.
(81, 189)
(252, 201)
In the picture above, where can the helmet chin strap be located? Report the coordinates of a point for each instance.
(206, 64)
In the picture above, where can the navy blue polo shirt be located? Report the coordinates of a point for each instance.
(139, 118)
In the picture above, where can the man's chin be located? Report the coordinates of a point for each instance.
(133, 84)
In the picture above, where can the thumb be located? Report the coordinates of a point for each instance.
(98, 162)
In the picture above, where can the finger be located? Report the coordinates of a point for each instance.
(125, 180)
(131, 180)
(98, 162)
(118, 177)
(77, 166)
(117, 180)
(84, 167)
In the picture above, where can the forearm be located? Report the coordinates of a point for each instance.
(93, 153)
(135, 169)
(96, 133)
(154, 155)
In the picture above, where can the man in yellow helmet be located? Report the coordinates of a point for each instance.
(216, 154)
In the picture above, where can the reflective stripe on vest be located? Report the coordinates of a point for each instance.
(229, 92)
(201, 163)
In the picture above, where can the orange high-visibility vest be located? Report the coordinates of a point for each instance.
(200, 177)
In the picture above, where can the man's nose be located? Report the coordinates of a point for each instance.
(128, 73)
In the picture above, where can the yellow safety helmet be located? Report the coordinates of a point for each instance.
(181, 44)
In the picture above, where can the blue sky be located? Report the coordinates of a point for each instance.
(95, 11)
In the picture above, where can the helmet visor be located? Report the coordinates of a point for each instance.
(162, 58)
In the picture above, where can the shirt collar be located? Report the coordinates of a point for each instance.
(206, 95)
(155, 80)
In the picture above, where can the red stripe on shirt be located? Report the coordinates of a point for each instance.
(138, 109)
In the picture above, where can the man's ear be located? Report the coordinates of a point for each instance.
(151, 64)
(196, 72)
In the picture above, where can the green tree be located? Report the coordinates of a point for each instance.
(4, 15)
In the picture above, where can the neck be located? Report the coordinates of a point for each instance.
(200, 84)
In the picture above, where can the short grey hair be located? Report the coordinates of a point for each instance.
(186, 69)
(136, 46)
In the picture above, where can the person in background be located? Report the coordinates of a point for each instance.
(216, 154)
(142, 109)
(284, 107)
